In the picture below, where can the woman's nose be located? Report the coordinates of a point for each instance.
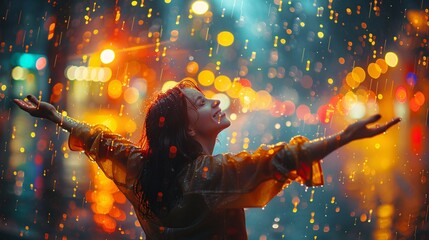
(215, 103)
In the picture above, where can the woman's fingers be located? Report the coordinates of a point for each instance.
(33, 99)
(26, 106)
(20, 103)
(390, 124)
(372, 119)
(35, 107)
(382, 129)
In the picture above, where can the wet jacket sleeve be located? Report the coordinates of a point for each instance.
(118, 157)
(251, 179)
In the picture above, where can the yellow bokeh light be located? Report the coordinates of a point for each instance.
(168, 85)
(374, 70)
(209, 93)
(320, 34)
(351, 80)
(70, 72)
(19, 73)
(200, 7)
(206, 77)
(349, 98)
(222, 83)
(104, 74)
(358, 74)
(263, 100)
(247, 96)
(391, 59)
(81, 73)
(234, 90)
(107, 56)
(233, 117)
(225, 38)
(114, 89)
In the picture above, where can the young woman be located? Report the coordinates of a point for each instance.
(179, 190)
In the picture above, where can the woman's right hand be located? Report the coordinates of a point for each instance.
(359, 129)
(36, 108)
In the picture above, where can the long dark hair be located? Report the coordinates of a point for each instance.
(168, 147)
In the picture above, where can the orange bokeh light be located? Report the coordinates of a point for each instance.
(401, 94)
(114, 89)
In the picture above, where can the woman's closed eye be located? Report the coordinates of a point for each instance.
(201, 102)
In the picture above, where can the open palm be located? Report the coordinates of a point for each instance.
(360, 130)
(35, 107)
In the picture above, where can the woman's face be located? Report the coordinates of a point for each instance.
(205, 117)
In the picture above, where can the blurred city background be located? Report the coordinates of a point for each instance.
(280, 69)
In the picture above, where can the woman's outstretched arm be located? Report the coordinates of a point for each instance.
(118, 157)
(321, 147)
(251, 179)
(46, 110)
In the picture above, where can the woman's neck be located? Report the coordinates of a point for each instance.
(207, 143)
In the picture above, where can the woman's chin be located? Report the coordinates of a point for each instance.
(225, 123)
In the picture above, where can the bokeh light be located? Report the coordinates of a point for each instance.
(107, 56)
(200, 7)
(358, 74)
(357, 110)
(27, 60)
(206, 77)
(114, 89)
(192, 68)
(168, 85)
(374, 70)
(391, 59)
(131, 95)
(382, 64)
(401, 94)
(234, 90)
(225, 38)
(41, 63)
(263, 100)
(224, 100)
(222, 83)
(19, 73)
(302, 111)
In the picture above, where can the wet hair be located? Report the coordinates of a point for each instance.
(168, 147)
